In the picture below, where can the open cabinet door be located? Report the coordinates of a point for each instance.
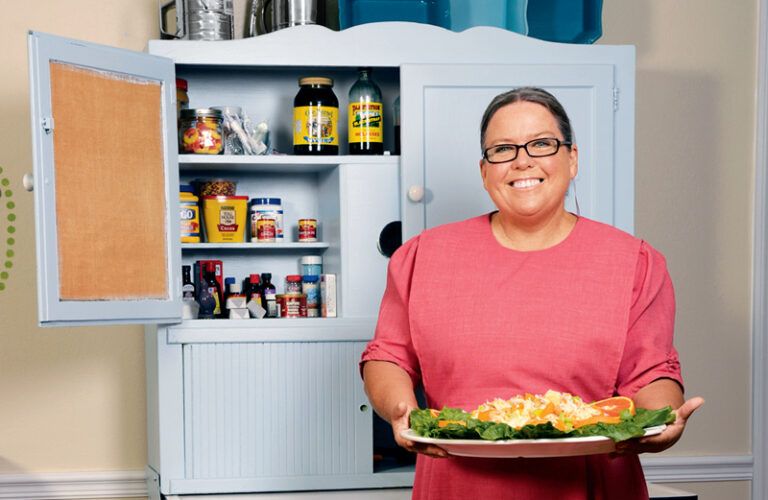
(442, 106)
(106, 184)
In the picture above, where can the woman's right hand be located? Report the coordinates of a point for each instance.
(400, 422)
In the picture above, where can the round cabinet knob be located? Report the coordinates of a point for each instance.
(28, 181)
(416, 193)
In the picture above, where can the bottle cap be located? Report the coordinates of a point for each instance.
(311, 278)
(266, 276)
(266, 201)
(254, 278)
(293, 277)
(312, 259)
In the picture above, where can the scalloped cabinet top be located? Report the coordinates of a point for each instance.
(380, 44)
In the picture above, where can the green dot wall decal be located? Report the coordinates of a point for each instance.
(7, 216)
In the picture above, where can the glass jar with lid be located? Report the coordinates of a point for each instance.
(316, 118)
(200, 131)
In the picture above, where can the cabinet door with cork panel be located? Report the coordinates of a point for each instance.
(106, 181)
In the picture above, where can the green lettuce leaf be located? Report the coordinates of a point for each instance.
(465, 427)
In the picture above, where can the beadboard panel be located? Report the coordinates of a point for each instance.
(275, 409)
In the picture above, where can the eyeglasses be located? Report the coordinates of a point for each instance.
(545, 146)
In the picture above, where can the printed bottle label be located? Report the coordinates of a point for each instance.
(365, 122)
(315, 125)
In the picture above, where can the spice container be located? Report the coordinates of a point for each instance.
(189, 213)
(225, 218)
(311, 265)
(315, 118)
(266, 208)
(307, 230)
(200, 131)
(310, 286)
(293, 284)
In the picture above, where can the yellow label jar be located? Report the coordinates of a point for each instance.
(189, 213)
(225, 218)
(316, 118)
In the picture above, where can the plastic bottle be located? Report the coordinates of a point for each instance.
(366, 116)
(269, 294)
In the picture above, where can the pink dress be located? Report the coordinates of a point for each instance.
(471, 321)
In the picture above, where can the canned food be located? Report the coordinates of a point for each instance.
(265, 231)
(307, 230)
(292, 305)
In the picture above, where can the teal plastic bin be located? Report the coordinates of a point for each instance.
(355, 12)
(567, 21)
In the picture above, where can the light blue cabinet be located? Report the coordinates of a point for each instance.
(244, 406)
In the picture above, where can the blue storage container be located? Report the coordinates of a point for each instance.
(507, 14)
(569, 21)
(354, 12)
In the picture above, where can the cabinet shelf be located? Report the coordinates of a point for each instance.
(277, 163)
(288, 246)
(218, 331)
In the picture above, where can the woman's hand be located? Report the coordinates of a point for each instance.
(670, 435)
(400, 423)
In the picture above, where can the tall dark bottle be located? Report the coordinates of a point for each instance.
(366, 116)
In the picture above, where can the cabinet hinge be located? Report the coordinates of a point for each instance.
(47, 123)
(615, 99)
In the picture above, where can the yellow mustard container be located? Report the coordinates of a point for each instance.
(225, 218)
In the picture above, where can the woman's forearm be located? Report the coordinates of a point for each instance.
(658, 394)
(386, 385)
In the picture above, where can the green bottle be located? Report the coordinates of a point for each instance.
(366, 116)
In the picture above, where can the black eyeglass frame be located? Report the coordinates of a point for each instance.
(525, 146)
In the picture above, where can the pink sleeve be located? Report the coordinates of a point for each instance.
(392, 340)
(649, 353)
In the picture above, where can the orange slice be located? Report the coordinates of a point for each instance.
(611, 410)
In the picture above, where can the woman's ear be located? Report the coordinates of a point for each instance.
(573, 159)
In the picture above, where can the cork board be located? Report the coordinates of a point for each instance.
(110, 185)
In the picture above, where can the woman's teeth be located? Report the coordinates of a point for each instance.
(525, 183)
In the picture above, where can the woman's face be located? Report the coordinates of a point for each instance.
(527, 189)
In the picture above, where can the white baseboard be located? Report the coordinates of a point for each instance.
(129, 484)
(73, 485)
(698, 468)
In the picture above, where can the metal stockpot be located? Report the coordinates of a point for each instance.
(198, 19)
(281, 14)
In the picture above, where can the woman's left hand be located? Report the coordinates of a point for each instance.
(670, 435)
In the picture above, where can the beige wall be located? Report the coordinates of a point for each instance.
(695, 128)
(73, 399)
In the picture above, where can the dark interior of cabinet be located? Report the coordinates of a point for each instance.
(387, 455)
(110, 185)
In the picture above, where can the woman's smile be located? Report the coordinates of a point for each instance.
(527, 183)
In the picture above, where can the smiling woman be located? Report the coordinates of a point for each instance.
(561, 302)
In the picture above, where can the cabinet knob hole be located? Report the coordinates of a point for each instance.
(390, 238)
